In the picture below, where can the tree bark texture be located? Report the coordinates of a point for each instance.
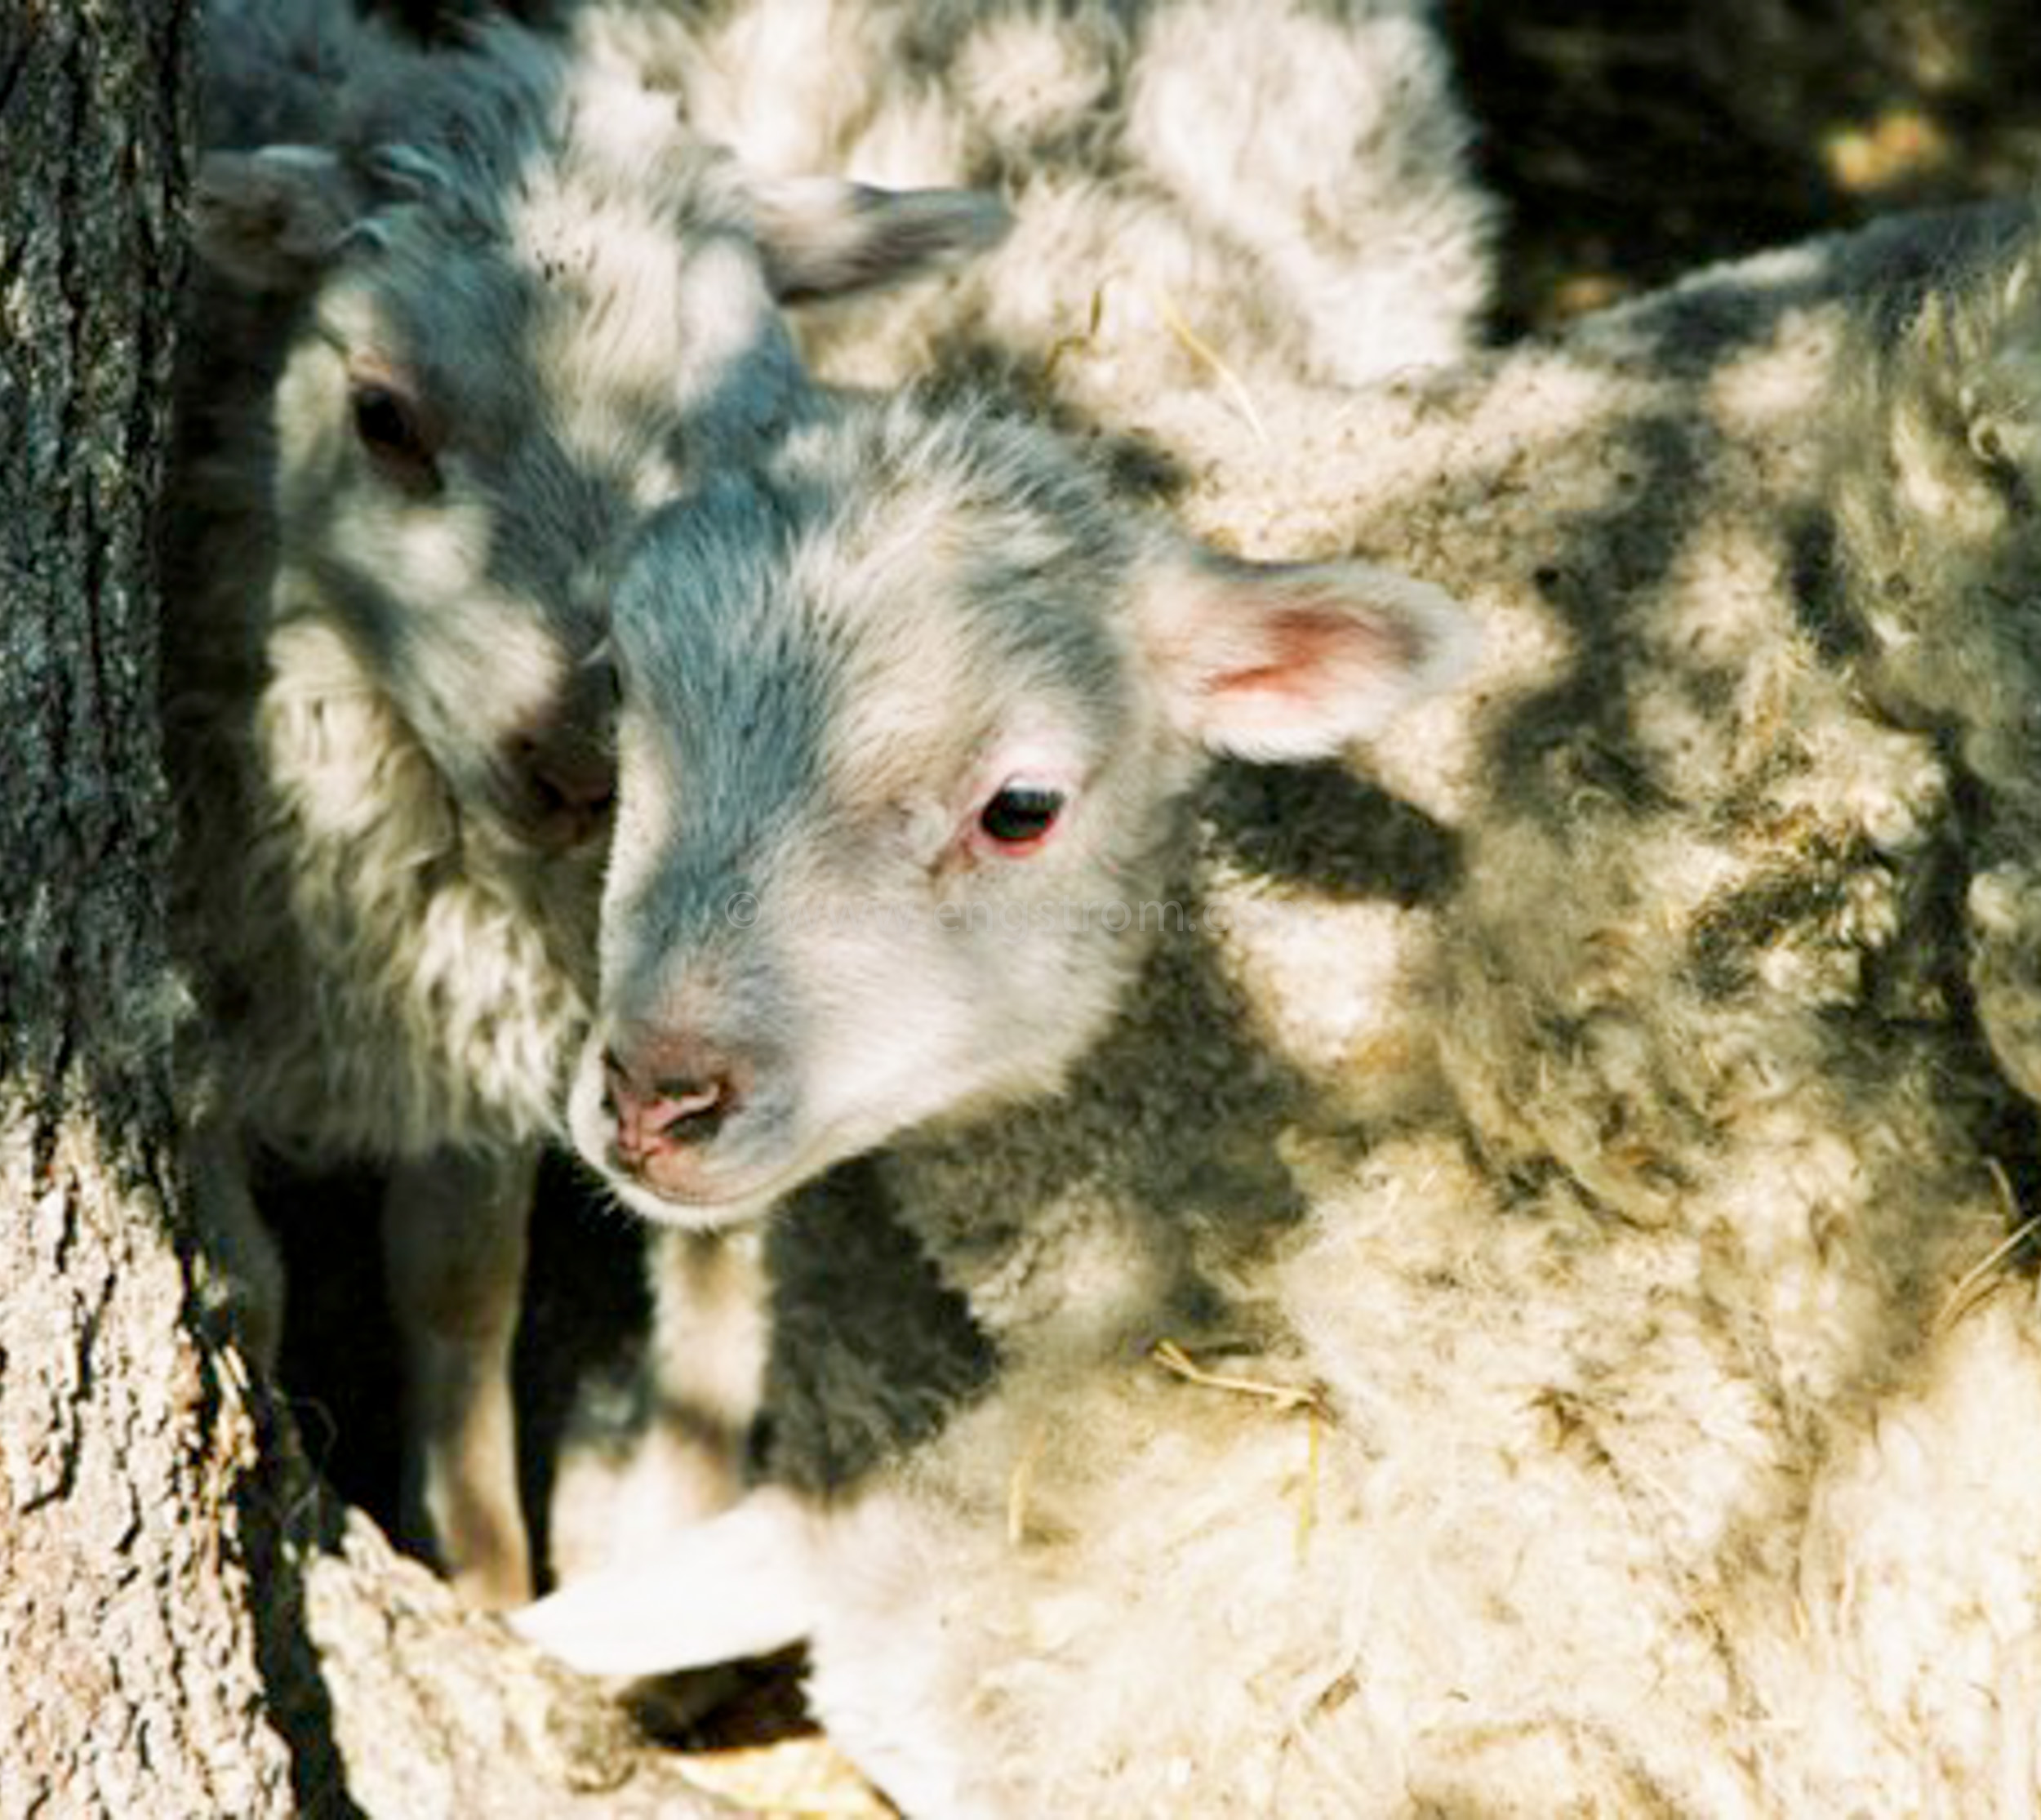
(129, 1681)
(188, 1625)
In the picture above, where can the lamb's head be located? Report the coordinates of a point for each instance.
(529, 305)
(905, 725)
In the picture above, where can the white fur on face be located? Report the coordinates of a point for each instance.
(810, 734)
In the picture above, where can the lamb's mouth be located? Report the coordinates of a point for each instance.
(728, 1199)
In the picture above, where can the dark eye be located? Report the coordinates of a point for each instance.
(393, 430)
(1021, 814)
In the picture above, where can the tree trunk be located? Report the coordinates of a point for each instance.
(129, 1681)
(189, 1626)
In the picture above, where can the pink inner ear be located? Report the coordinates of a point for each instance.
(1284, 662)
(1304, 650)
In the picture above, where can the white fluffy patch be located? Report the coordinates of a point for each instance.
(738, 1584)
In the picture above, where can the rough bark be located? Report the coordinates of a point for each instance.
(188, 1625)
(128, 1677)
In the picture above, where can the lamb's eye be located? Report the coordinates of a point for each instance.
(1021, 815)
(393, 429)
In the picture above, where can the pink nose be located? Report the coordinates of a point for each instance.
(668, 1097)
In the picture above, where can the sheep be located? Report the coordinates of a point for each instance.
(462, 320)
(1504, 1304)
(1208, 197)
(988, 815)
(1204, 191)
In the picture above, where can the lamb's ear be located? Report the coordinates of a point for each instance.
(824, 237)
(1290, 661)
(272, 220)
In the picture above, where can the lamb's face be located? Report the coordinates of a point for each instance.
(904, 729)
(526, 324)
(465, 431)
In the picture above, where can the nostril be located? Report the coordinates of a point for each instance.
(560, 791)
(689, 1111)
(570, 780)
(656, 1110)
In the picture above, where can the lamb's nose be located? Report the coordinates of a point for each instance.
(568, 781)
(659, 1108)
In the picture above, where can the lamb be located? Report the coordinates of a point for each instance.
(819, 840)
(1209, 198)
(464, 319)
(1511, 1311)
